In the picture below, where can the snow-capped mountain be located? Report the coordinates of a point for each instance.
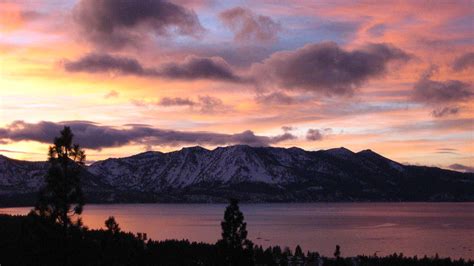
(20, 176)
(251, 174)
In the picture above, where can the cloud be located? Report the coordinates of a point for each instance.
(445, 111)
(278, 98)
(287, 128)
(96, 63)
(177, 101)
(463, 168)
(313, 135)
(283, 137)
(463, 124)
(326, 68)
(214, 68)
(248, 26)
(111, 94)
(205, 104)
(94, 136)
(429, 91)
(210, 104)
(114, 24)
(447, 149)
(192, 68)
(463, 62)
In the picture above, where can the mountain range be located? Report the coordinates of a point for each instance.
(252, 174)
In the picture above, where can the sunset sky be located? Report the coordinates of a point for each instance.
(130, 76)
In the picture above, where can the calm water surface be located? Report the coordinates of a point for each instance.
(359, 228)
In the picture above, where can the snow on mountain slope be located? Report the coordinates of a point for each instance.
(20, 175)
(281, 174)
(157, 171)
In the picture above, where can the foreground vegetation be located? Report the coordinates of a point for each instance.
(31, 240)
(53, 233)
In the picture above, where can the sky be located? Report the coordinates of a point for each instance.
(131, 76)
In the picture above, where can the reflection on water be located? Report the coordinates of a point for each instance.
(359, 228)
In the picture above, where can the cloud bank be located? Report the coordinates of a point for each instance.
(94, 136)
(114, 24)
(326, 68)
(192, 68)
(435, 92)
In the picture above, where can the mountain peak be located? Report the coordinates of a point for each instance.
(371, 153)
(367, 151)
(194, 148)
(238, 147)
(340, 152)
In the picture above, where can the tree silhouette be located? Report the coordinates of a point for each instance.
(234, 242)
(112, 225)
(337, 252)
(62, 196)
(234, 229)
(299, 251)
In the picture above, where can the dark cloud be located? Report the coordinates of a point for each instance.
(314, 135)
(95, 136)
(326, 68)
(248, 26)
(445, 111)
(214, 68)
(200, 68)
(114, 24)
(464, 61)
(278, 98)
(176, 101)
(463, 168)
(96, 63)
(210, 104)
(283, 137)
(440, 92)
(205, 104)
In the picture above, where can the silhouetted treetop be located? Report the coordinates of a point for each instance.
(234, 229)
(61, 199)
(112, 225)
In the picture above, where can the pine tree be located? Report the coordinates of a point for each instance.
(234, 229)
(237, 249)
(299, 252)
(61, 199)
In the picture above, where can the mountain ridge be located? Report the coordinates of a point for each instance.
(252, 174)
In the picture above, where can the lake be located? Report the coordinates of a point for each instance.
(359, 228)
